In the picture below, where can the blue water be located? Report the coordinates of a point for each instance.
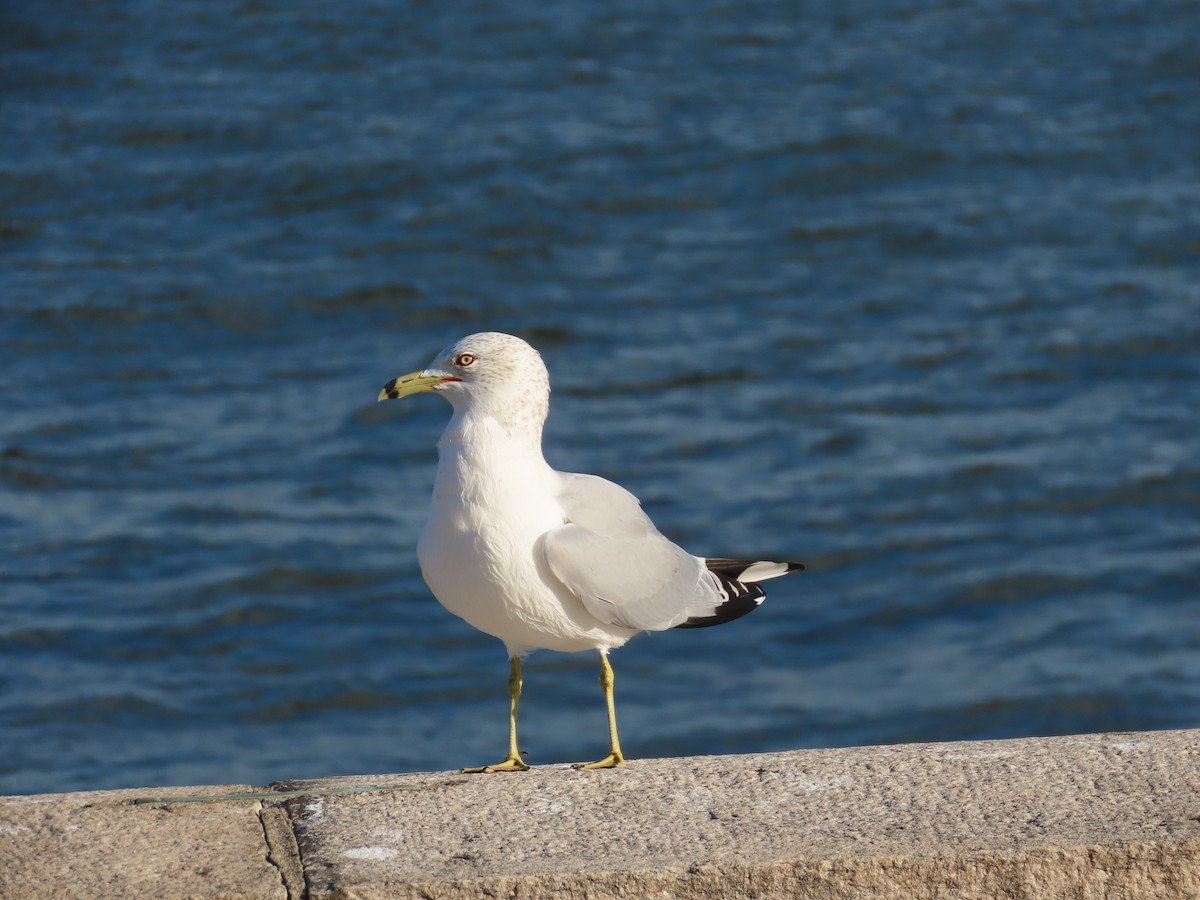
(907, 290)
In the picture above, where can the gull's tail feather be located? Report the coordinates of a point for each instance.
(736, 580)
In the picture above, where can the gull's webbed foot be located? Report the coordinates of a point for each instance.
(510, 764)
(614, 760)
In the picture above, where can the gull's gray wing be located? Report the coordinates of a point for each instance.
(610, 555)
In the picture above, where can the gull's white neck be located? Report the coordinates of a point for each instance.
(479, 433)
(488, 461)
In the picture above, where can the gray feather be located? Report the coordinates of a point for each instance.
(610, 555)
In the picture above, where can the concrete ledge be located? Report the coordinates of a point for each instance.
(1092, 816)
(97, 844)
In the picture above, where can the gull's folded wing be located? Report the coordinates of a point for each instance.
(610, 555)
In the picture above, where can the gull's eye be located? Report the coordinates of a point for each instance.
(464, 359)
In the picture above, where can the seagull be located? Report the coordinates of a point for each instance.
(548, 560)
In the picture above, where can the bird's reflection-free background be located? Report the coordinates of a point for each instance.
(906, 290)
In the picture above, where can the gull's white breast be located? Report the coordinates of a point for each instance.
(480, 554)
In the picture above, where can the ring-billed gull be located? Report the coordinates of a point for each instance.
(543, 559)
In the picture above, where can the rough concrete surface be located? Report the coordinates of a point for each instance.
(96, 844)
(1108, 816)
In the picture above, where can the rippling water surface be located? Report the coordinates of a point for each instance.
(909, 291)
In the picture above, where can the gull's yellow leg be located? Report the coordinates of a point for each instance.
(512, 762)
(615, 757)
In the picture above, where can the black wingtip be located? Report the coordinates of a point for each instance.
(741, 598)
(734, 608)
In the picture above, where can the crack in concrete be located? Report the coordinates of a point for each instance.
(283, 850)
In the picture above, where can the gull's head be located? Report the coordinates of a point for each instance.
(490, 371)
